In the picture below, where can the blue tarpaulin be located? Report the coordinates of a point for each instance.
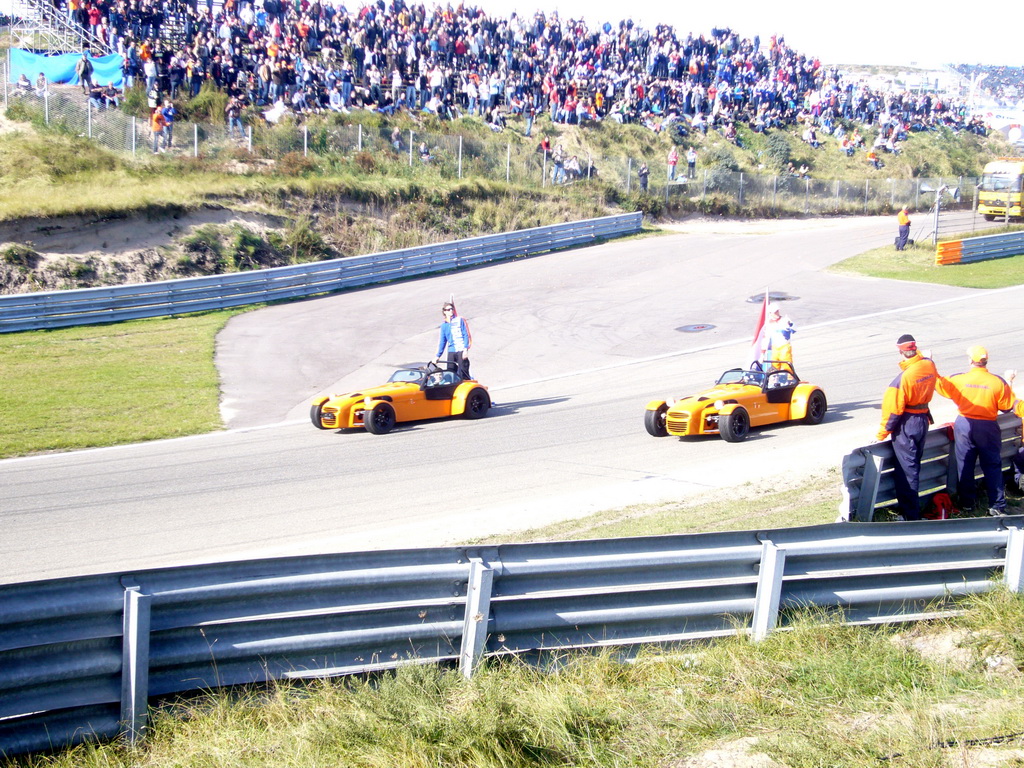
(61, 68)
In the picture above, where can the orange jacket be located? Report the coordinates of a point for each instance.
(977, 393)
(910, 392)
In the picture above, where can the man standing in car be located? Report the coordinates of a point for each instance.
(455, 338)
(906, 416)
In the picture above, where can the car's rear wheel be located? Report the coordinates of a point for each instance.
(654, 421)
(816, 407)
(735, 426)
(477, 404)
(315, 414)
(380, 419)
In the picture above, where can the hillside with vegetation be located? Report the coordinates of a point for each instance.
(165, 216)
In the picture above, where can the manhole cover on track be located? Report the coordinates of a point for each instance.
(757, 298)
(695, 328)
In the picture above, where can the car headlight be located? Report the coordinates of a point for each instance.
(670, 402)
(367, 401)
(719, 404)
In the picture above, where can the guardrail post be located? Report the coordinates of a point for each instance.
(1013, 571)
(460, 156)
(478, 608)
(869, 488)
(769, 590)
(135, 661)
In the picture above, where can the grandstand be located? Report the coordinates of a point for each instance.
(313, 57)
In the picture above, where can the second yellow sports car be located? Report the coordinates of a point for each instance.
(739, 400)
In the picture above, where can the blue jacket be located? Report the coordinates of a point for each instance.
(457, 338)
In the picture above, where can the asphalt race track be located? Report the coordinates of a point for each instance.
(572, 345)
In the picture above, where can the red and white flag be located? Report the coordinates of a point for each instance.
(758, 343)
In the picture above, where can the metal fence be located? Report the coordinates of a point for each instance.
(80, 657)
(88, 306)
(868, 471)
(457, 156)
(979, 249)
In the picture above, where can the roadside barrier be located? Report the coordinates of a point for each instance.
(89, 306)
(81, 657)
(867, 471)
(975, 249)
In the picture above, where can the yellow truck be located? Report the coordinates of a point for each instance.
(1000, 188)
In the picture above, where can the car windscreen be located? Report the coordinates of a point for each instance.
(407, 375)
(739, 376)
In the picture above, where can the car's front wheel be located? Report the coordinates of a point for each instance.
(315, 414)
(654, 421)
(816, 407)
(380, 419)
(734, 427)
(477, 404)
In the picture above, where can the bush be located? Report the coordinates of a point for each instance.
(250, 251)
(204, 253)
(303, 242)
(207, 107)
(295, 164)
(721, 158)
(21, 256)
(778, 150)
(365, 162)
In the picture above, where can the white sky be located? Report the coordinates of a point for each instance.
(843, 33)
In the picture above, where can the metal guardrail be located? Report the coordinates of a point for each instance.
(975, 249)
(80, 657)
(88, 306)
(868, 471)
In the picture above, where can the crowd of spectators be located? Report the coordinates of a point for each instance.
(307, 56)
(1004, 84)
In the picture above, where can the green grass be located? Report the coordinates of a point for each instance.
(819, 694)
(107, 385)
(917, 264)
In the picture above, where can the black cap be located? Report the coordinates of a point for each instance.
(904, 339)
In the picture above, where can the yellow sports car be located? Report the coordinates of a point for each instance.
(411, 394)
(741, 399)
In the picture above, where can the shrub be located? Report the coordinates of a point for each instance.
(204, 252)
(21, 256)
(295, 164)
(778, 150)
(303, 242)
(207, 107)
(365, 162)
(721, 158)
(250, 251)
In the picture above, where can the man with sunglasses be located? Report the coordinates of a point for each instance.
(455, 338)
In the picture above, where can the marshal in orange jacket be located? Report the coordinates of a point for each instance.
(910, 392)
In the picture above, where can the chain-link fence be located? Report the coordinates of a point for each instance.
(459, 156)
